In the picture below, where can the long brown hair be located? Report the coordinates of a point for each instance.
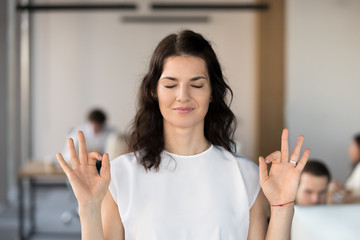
(146, 133)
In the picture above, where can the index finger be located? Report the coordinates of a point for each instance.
(82, 148)
(63, 164)
(285, 145)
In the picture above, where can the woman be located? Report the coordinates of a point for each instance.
(182, 180)
(352, 184)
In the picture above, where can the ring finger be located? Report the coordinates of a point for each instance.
(295, 156)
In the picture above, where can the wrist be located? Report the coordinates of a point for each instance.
(282, 204)
(285, 209)
(89, 208)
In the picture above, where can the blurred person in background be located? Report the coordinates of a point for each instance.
(350, 191)
(97, 134)
(352, 183)
(314, 181)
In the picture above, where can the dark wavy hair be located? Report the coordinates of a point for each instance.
(146, 132)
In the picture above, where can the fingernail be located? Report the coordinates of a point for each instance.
(100, 157)
(267, 160)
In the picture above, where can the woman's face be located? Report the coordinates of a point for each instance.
(354, 152)
(184, 91)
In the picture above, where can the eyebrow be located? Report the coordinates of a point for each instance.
(192, 79)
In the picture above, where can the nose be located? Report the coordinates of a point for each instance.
(183, 94)
(315, 199)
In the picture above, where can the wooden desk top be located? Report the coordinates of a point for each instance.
(40, 169)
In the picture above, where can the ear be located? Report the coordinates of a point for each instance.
(153, 94)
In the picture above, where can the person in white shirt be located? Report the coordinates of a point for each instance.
(352, 183)
(183, 180)
(96, 131)
(350, 191)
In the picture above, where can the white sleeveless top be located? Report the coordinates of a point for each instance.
(204, 196)
(353, 182)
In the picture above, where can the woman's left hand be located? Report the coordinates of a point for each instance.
(280, 184)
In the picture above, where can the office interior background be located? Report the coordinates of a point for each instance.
(290, 63)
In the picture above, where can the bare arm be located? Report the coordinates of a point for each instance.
(258, 218)
(111, 220)
(102, 222)
(91, 225)
(280, 221)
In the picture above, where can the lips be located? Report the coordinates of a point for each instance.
(183, 110)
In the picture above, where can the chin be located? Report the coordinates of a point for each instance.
(184, 123)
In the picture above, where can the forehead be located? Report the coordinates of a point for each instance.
(310, 181)
(184, 66)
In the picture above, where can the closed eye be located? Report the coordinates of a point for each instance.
(170, 86)
(195, 86)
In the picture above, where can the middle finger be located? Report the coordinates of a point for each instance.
(82, 148)
(285, 145)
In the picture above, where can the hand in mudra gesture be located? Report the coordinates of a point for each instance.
(281, 183)
(89, 187)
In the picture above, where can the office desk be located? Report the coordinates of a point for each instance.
(38, 174)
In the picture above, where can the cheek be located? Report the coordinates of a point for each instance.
(203, 98)
(353, 152)
(301, 197)
(302, 191)
(204, 103)
(165, 98)
(356, 152)
(323, 195)
(203, 107)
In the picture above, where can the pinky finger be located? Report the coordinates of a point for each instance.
(301, 164)
(105, 169)
(64, 165)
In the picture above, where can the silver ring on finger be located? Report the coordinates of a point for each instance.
(292, 161)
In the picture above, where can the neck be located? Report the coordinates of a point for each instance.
(185, 141)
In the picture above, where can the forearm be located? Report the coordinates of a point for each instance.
(91, 224)
(280, 223)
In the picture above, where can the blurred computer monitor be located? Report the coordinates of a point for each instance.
(326, 222)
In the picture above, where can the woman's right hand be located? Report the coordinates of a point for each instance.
(89, 187)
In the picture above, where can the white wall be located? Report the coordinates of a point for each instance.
(323, 77)
(86, 59)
